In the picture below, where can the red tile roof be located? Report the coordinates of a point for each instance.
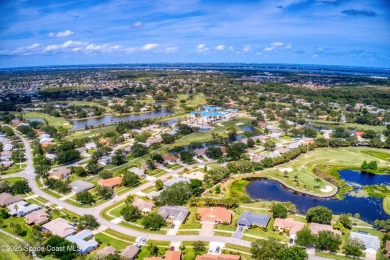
(215, 214)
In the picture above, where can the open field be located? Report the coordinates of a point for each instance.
(53, 121)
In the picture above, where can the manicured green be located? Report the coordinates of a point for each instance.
(53, 121)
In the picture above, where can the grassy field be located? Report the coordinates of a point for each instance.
(378, 154)
(14, 179)
(10, 254)
(302, 167)
(53, 121)
(360, 127)
(91, 132)
(237, 190)
(195, 102)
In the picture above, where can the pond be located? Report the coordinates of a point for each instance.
(369, 208)
(109, 120)
(245, 128)
(40, 120)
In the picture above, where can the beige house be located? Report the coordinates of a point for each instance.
(316, 228)
(37, 217)
(59, 227)
(62, 174)
(7, 199)
(143, 205)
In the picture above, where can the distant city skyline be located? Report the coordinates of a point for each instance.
(334, 32)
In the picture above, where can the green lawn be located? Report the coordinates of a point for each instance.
(360, 127)
(332, 256)
(191, 221)
(27, 230)
(15, 169)
(105, 240)
(91, 132)
(378, 154)
(237, 190)
(14, 179)
(12, 254)
(53, 121)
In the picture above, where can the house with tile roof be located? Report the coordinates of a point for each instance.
(215, 215)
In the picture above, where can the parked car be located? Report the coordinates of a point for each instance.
(240, 229)
(217, 249)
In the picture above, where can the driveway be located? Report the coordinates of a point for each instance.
(173, 231)
(237, 233)
(207, 229)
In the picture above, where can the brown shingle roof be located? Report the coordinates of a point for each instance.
(37, 217)
(60, 227)
(106, 251)
(130, 252)
(7, 199)
(316, 228)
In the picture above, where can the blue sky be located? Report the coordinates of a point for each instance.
(339, 32)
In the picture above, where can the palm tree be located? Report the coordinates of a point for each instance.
(16, 208)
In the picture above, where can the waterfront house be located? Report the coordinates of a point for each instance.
(248, 219)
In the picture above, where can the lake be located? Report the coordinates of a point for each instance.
(109, 120)
(369, 208)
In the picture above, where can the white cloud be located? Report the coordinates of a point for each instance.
(247, 48)
(274, 46)
(170, 49)
(201, 47)
(231, 48)
(32, 46)
(277, 44)
(137, 25)
(61, 34)
(86, 47)
(220, 47)
(149, 46)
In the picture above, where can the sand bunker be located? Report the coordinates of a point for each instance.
(239, 123)
(286, 170)
(86, 132)
(327, 189)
